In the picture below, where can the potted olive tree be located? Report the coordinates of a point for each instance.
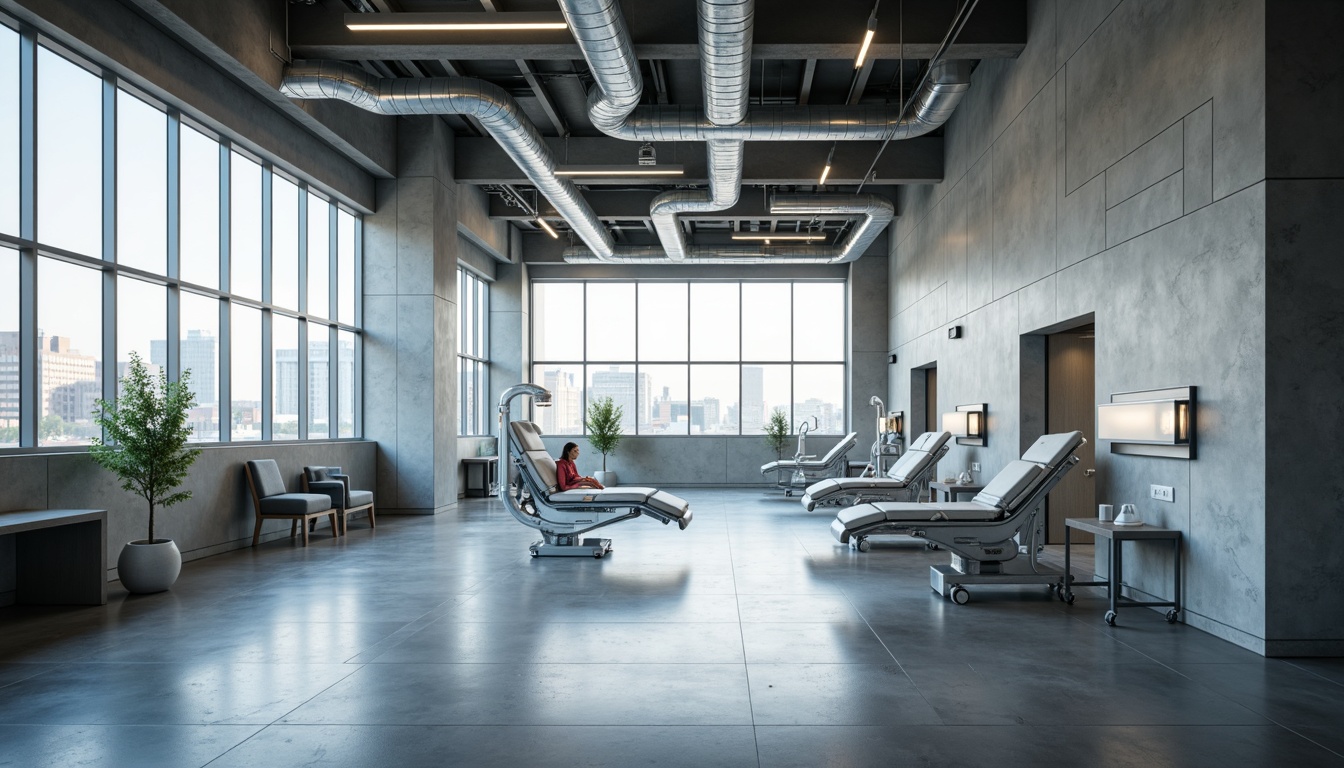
(777, 432)
(145, 444)
(604, 433)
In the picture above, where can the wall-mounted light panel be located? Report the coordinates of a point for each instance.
(968, 424)
(1154, 422)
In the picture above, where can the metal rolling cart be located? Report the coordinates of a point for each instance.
(1116, 535)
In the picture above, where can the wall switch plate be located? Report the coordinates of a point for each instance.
(1162, 492)
(975, 466)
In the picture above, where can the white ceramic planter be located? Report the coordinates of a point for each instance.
(606, 478)
(145, 568)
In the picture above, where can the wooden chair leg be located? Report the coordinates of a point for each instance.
(305, 532)
(256, 532)
(372, 524)
(335, 526)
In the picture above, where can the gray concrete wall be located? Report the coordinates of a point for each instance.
(410, 323)
(708, 460)
(1115, 171)
(115, 36)
(1304, 369)
(218, 518)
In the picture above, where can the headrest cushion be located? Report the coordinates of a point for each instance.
(1050, 450)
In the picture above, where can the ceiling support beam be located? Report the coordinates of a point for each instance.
(543, 97)
(913, 161)
(809, 72)
(794, 30)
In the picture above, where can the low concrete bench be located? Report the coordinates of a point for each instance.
(60, 555)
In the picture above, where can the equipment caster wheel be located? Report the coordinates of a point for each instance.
(863, 545)
(960, 596)
(1067, 599)
(533, 552)
(788, 493)
(1171, 616)
(932, 547)
(1110, 618)
(597, 555)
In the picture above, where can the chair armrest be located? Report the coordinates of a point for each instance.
(333, 488)
(345, 484)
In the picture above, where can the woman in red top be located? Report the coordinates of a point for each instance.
(567, 475)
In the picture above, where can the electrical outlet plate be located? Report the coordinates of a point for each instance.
(975, 466)
(1162, 492)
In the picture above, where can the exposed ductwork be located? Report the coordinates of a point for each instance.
(724, 124)
(725, 69)
(931, 106)
(497, 112)
(876, 212)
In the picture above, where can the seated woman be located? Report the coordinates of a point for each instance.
(567, 475)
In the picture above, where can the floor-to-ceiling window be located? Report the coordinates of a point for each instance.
(691, 358)
(473, 356)
(126, 227)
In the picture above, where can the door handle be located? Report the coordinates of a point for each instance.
(1089, 472)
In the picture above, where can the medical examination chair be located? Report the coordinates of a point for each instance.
(907, 480)
(563, 516)
(800, 472)
(983, 534)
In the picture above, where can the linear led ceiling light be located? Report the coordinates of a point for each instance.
(542, 223)
(454, 22)
(827, 170)
(768, 236)
(619, 170)
(868, 33)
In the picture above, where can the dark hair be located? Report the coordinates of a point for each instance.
(564, 452)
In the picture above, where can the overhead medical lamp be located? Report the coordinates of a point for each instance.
(968, 424)
(1158, 422)
(454, 22)
(868, 33)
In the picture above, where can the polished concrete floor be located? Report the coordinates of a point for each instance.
(748, 639)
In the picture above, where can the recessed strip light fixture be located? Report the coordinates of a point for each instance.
(620, 170)
(827, 170)
(454, 22)
(542, 223)
(768, 236)
(868, 33)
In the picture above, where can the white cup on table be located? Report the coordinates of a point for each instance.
(1105, 512)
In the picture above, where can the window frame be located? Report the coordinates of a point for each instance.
(31, 251)
(584, 366)
(473, 353)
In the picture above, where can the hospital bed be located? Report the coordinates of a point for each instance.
(907, 480)
(563, 517)
(799, 472)
(984, 534)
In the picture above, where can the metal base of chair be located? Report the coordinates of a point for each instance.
(568, 546)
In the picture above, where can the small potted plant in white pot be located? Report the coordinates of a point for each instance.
(145, 445)
(604, 433)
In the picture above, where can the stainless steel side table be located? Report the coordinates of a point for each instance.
(487, 473)
(1116, 535)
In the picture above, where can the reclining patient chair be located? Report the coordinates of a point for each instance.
(907, 480)
(982, 534)
(800, 472)
(562, 516)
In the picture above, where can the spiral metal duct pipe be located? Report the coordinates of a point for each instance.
(497, 112)
(876, 212)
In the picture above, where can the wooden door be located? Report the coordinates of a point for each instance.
(1070, 405)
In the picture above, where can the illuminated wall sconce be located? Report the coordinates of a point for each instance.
(1154, 422)
(969, 424)
(892, 423)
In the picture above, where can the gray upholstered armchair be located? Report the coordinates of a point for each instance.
(332, 482)
(270, 500)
